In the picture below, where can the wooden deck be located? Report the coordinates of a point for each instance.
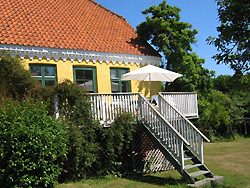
(106, 106)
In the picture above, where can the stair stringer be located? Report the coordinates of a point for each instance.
(196, 160)
(167, 154)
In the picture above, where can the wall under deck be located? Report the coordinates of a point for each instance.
(65, 71)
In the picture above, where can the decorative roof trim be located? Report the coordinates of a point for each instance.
(79, 55)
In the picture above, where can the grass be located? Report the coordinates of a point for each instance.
(228, 159)
(231, 160)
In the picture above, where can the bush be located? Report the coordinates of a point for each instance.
(15, 80)
(32, 145)
(93, 150)
(214, 114)
(114, 144)
(75, 110)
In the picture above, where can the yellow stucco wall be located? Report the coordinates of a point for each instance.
(65, 71)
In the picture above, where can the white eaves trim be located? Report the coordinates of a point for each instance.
(79, 55)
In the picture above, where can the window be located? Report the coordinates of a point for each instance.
(45, 74)
(118, 85)
(86, 78)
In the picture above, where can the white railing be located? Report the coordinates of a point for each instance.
(183, 126)
(162, 129)
(185, 102)
(107, 106)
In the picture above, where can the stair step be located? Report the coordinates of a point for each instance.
(188, 158)
(199, 173)
(208, 182)
(186, 150)
(192, 166)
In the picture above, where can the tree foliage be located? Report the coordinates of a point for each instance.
(15, 80)
(196, 78)
(233, 41)
(214, 115)
(167, 33)
(173, 38)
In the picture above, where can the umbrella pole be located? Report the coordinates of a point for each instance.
(150, 85)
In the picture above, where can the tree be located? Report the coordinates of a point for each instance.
(233, 41)
(223, 83)
(173, 38)
(196, 78)
(167, 33)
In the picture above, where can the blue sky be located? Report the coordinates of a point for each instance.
(202, 14)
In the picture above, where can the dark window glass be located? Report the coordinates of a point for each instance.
(115, 87)
(45, 74)
(86, 78)
(35, 70)
(79, 74)
(118, 85)
(49, 71)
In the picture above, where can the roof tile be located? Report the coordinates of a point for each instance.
(71, 24)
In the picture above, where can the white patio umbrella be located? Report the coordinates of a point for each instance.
(151, 73)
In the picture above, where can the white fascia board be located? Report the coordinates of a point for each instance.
(79, 55)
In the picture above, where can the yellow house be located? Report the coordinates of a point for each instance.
(79, 40)
(82, 41)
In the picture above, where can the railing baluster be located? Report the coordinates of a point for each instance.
(181, 123)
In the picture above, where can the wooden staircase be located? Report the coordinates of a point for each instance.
(167, 128)
(177, 138)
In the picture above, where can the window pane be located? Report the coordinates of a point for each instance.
(50, 82)
(49, 71)
(35, 70)
(114, 74)
(115, 87)
(86, 85)
(123, 71)
(79, 74)
(88, 74)
(85, 77)
(125, 86)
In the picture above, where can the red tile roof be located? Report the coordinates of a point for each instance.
(70, 24)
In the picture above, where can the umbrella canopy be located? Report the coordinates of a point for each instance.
(151, 73)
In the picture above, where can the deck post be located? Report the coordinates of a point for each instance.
(201, 149)
(56, 107)
(182, 156)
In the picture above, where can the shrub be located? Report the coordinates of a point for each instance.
(214, 115)
(75, 110)
(93, 150)
(114, 144)
(15, 80)
(32, 145)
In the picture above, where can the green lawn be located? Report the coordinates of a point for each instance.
(231, 160)
(228, 159)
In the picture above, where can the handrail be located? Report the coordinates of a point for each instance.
(179, 93)
(127, 93)
(185, 119)
(162, 118)
(162, 130)
(184, 127)
(184, 102)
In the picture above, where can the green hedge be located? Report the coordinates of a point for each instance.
(32, 145)
(93, 150)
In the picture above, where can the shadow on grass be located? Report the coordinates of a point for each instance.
(157, 180)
